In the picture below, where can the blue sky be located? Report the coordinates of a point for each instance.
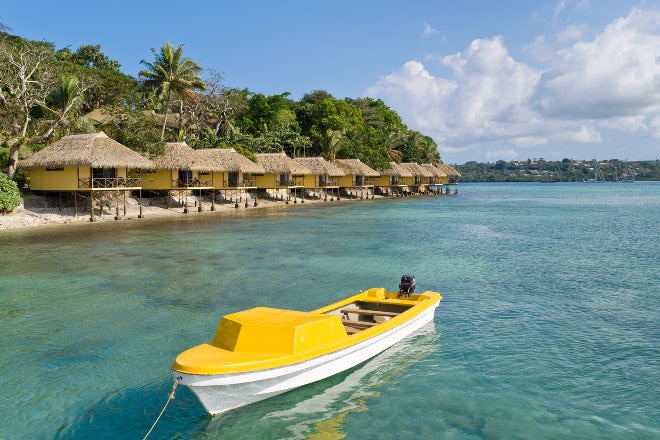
(505, 80)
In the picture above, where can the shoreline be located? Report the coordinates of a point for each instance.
(34, 217)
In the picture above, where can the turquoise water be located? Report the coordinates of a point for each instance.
(549, 327)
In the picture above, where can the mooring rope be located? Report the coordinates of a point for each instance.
(170, 397)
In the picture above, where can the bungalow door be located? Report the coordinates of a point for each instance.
(359, 180)
(233, 178)
(323, 180)
(395, 180)
(185, 178)
(103, 177)
(284, 179)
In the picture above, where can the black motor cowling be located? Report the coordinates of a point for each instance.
(407, 284)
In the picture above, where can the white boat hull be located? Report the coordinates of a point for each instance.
(224, 392)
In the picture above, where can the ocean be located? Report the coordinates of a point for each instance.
(549, 327)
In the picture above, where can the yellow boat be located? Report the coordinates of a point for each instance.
(261, 352)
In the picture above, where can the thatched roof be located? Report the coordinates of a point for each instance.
(448, 170)
(435, 172)
(228, 159)
(180, 156)
(98, 115)
(396, 170)
(173, 119)
(276, 163)
(96, 150)
(416, 170)
(320, 167)
(101, 115)
(355, 167)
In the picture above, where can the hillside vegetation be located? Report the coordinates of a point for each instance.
(566, 170)
(47, 93)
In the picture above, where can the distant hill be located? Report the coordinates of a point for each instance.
(566, 170)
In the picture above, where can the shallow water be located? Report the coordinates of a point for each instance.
(549, 326)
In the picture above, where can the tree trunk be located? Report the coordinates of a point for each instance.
(14, 149)
(167, 109)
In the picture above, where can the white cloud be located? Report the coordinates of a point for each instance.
(616, 74)
(428, 31)
(571, 33)
(494, 104)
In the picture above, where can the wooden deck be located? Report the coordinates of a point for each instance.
(353, 326)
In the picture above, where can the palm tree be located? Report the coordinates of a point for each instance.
(171, 73)
(65, 103)
(394, 144)
(332, 143)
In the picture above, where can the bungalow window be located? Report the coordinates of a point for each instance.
(54, 169)
(104, 173)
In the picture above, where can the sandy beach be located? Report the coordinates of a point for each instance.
(42, 211)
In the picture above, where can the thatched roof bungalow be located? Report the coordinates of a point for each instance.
(323, 174)
(356, 173)
(395, 176)
(280, 171)
(235, 171)
(420, 175)
(452, 174)
(180, 167)
(85, 162)
(437, 177)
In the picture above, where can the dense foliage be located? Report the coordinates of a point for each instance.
(47, 93)
(566, 170)
(10, 197)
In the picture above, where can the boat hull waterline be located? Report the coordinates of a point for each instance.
(219, 393)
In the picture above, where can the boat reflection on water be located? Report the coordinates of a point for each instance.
(323, 413)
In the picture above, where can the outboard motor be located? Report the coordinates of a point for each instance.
(407, 284)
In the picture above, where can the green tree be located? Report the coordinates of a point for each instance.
(172, 75)
(105, 85)
(64, 104)
(132, 128)
(10, 196)
(26, 79)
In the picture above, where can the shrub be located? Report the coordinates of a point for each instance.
(10, 197)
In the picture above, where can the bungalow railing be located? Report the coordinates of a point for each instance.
(289, 183)
(246, 183)
(363, 183)
(330, 183)
(109, 182)
(191, 183)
